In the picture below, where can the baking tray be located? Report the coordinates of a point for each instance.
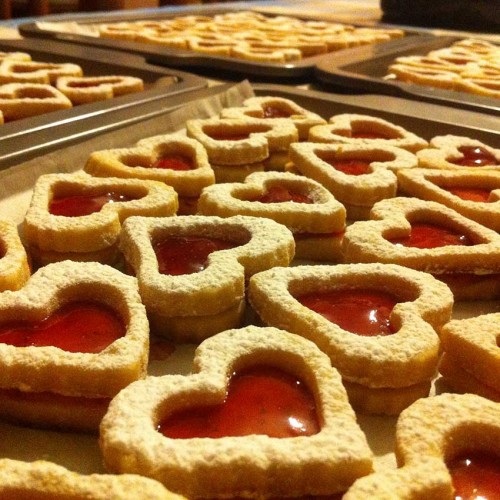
(362, 69)
(177, 57)
(80, 452)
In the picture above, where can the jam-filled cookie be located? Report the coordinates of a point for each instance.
(364, 129)
(263, 414)
(177, 161)
(446, 448)
(70, 340)
(431, 237)
(377, 323)
(79, 217)
(14, 263)
(358, 175)
(192, 270)
(16, 71)
(316, 219)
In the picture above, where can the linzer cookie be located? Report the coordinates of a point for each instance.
(473, 193)
(446, 447)
(173, 159)
(192, 270)
(73, 337)
(431, 237)
(364, 129)
(453, 152)
(263, 414)
(14, 265)
(316, 219)
(239, 147)
(79, 217)
(16, 71)
(471, 361)
(358, 175)
(378, 324)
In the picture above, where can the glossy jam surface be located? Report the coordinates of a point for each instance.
(260, 400)
(476, 476)
(350, 167)
(187, 254)
(173, 162)
(470, 194)
(87, 327)
(276, 112)
(280, 194)
(84, 204)
(475, 156)
(431, 236)
(364, 312)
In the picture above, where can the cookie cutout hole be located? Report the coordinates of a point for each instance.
(281, 193)
(30, 68)
(81, 84)
(234, 133)
(345, 164)
(34, 93)
(274, 111)
(475, 194)
(367, 130)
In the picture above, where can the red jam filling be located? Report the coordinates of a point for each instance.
(470, 194)
(275, 112)
(87, 327)
(187, 254)
(260, 400)
(281, 194)
(350, 167)
(476, 476)
(475, 156)
(173, 162)
(431, 236)
(364, 312)
(84, 204)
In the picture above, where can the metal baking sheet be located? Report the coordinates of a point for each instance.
(363, 69)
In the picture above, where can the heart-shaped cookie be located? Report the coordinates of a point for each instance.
(18, 71)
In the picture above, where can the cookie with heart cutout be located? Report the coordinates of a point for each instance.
(358, 175)
(18, 56)
(315, 217)
(378, 323)
(192, 270)
(22, 100)
(428, 236)
(364, 129)
(237, 147)
(471, 360)
(440, 77)
(86, 323)
(79, 217)
(452, 152)
(17, 71)
(263, 414)
(43, 479)
(271, 107)
(446, 448)
(472, 193)
(14, 263)
(173, 159)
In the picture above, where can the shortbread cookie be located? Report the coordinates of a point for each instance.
(84, 322)
(84, 89)
(266, 54)
(22, 100)
(487, 87)
(316, 219)
(433, 77)
(18, 56)
(473, 193)
(446, 448)
(277, 107)
(377, 323)
(192, 270)
(258, 454)
(430, 237)
(42, 479)
(357, 175)
(15, 71)
(79, 217)
(14, 265)
(471, 349)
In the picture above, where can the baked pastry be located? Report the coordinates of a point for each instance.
(378, 323)
(446, 448)
(358, 175)
(18, 56)
(18, 71)
(364, 129)
(260, 54)
(458, 153)
(157, 427)
(440, 77)
(79, 217)
(22, 100)
(176, 160)
(85, 89)
(192, 270)
(315, 217)
(103, 349)
(14, 264)
(471, 361)
(473, 193)
(430, 237)
(239, 147)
